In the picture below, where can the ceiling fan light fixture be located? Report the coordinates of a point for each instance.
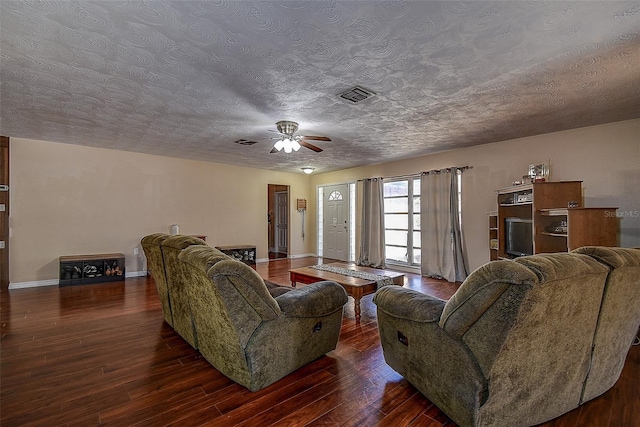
(308, 170)
(279, 145)
(295, 144)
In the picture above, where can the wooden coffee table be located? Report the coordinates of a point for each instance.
(355, 287)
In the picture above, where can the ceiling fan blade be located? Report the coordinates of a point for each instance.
(317, 138)
(310, 146)
(273, 150)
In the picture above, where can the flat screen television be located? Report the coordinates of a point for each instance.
(518, 236)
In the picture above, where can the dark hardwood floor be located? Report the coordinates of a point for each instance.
(102, 355)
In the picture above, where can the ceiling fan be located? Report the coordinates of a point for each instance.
(289, 142)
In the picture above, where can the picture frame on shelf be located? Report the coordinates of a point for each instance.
(539, 171)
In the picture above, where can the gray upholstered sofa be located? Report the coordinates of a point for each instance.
(520, 342)
(253, 332)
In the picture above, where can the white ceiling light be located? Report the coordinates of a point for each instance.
(287, 144)
(308, 170)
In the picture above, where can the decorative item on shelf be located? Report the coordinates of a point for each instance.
(573, 204)
(539, 172)
(493, 244)
(524, 198)
(558, 227)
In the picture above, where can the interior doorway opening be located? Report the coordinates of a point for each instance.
(278, 220)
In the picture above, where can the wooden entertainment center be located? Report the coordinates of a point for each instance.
(548, 217)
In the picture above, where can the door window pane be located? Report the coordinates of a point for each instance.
(417, 256)
(399, 204)
(396, 238)
(396, 253)
(396, 221)
(396, 188)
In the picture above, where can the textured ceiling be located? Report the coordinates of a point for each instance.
(187, 78)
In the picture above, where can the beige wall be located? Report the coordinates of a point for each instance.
(70, 200)
(606, 158)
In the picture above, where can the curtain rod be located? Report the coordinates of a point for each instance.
(460, 168)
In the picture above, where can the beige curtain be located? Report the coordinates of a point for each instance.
(441, 234)
(372, 230)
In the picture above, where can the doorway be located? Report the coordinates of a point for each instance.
(278, 220)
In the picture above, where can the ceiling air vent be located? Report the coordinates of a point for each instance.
(245, 142)
(356, 94)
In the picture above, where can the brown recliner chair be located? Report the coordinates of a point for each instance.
(180, 306)
(246, 333)
(155, 264)
(512, 347)
(619, 317)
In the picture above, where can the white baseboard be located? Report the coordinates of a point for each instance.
(56, 282)
(34, 284)
(301, 256)
(135, 273)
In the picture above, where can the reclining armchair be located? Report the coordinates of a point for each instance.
(512, 347)
(246, 333)
(619, 316)
(180, 305)
(151, 245)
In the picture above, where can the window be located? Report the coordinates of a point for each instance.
(402, 221)
(335, 195)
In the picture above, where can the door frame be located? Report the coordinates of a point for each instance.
(4, 215)
(271, 198)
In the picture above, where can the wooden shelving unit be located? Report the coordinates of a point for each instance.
(555, 227)
(493, 236)
(525, 201)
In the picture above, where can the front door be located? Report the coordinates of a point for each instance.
(335, 216)
(282, 221)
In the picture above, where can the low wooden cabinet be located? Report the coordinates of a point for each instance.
(86, 269)
(243, 253)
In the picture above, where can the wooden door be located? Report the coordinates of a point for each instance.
(4, 212)
(282, 222)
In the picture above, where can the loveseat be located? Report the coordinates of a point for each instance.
(253, 332)
(520, 342)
